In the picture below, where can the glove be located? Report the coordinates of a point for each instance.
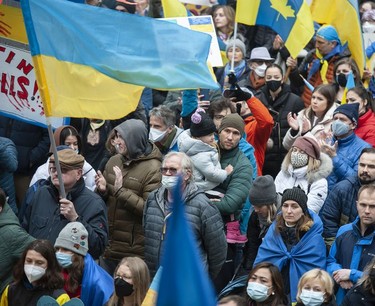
(238, 94)
(232, 79)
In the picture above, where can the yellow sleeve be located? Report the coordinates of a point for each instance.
(4, 297)
(61, 300)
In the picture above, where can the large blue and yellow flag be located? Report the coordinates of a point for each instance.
(93, 62)
(291, 19)
(344, 16)
(183, 280)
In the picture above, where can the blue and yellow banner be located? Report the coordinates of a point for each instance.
(344, 16)
(291, 19)
(96, 65)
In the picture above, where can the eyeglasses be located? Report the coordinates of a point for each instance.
(172, 171)
(63, 170)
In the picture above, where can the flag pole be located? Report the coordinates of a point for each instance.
(234, 46)
(57, 163)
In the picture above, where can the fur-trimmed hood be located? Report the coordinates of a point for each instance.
(323, 171)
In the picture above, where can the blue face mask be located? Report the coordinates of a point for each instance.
(65, 260)
(339, 128)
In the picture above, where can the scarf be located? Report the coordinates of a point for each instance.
(238, 70)
(321, 62)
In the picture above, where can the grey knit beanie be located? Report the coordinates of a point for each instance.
(74, 237)
(263, 191)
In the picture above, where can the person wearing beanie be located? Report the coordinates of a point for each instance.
(305, 166)
(294, 241)
(342, 145)
(84, 278)
(126, 182)
(235, 188)
(235, 49)
(199, 144)
(318, 65)
(48, 211)
(264, 198)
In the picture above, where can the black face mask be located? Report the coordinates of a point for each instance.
(273, 85)
(341, 79)
(123, 288)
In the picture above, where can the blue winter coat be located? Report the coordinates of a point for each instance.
(307, 254)
(97, 284)
(340, 207)
(351, 251)
(345, 163)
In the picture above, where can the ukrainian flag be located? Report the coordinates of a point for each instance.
(344, 16)
(291, 19)
(93, 62)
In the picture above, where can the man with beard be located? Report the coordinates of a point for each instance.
(340, 205)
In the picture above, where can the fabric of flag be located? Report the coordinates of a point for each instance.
(152, 292)
(183, 281)
(93, 62)
(344, 16)
(173, 8)
(349, 85)
(291, 19)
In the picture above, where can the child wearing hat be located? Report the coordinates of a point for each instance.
(199, 144)
(294, 241)
(305, 166)
(84, 279)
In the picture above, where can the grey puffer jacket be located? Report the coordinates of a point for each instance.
(204, 218)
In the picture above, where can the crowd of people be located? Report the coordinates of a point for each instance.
(277, 178)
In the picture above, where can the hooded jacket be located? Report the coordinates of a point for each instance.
(141, 175)
(13, 241)
(207, 169)
(366, 127)
(205, 221)
(314, 183)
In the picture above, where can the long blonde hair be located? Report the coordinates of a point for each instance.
(140, 277)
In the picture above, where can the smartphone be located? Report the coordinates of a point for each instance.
(229, 93)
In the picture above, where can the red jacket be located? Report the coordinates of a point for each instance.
(366, 127)
(258, 128)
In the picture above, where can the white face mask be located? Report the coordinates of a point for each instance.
(257, 292)
(311, 298)
(368, 27)
(34, 273)
(169, 182)
(261, 70)
(156, 135)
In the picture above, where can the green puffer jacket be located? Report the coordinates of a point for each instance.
(237, 185)
(13, 241)
(125, 207)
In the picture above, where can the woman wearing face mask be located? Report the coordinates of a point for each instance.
(280, 101)
(237, 49)
(341, 71)
(305, 166)
(132, 280)
(366, 120)
(265, 286)
(315, 119)
(315, 288)
(84, 279)
(36, 274)
(294, 241)
(363, 293)
(368, 21)
(68, 136)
